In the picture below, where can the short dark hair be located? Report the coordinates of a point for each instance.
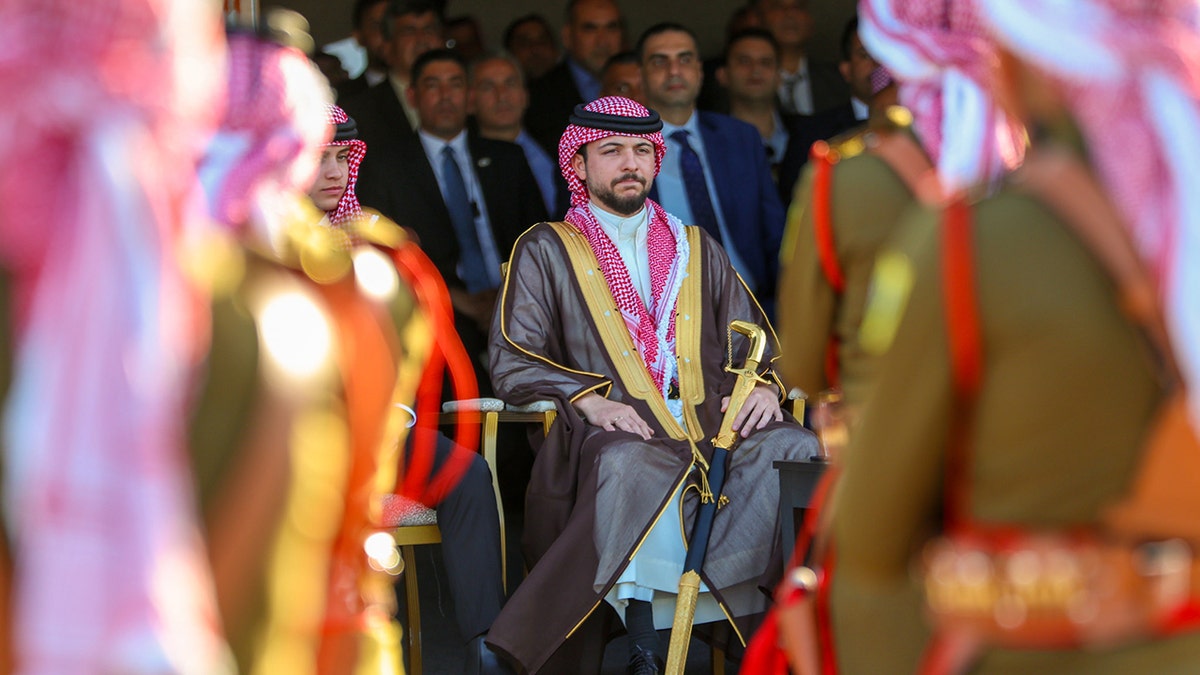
(399, 8)
(570, 9)
(751, 34)
(517, 22)
(622, 58)
(464, 20)
(494, 55)
(360, 10)
(805, 4)
(432, 56)
(848, 34)
(659, 29)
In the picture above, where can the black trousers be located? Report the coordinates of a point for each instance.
(470, 526)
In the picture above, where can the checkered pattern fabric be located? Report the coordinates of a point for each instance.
(575, 137)
(105, 101)
(1130, 73)
(348, 207)
(939, 54)
(273, 124)
(652, 328)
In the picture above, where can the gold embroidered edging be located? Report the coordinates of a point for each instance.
(509, 340)
(666, 505)
(606, 385)
(613, 333)
(689, 307)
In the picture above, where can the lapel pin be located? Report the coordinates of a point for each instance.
(484, 162)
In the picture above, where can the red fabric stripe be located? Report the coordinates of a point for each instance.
(966, 351)
(965, 337)
(423, 278)
(824, 158)
(763, 655)
(829, 664)
(368, 372)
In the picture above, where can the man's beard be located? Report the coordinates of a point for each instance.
(625, 206)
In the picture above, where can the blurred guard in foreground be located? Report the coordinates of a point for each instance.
(467, 513)
(319, 349)
(98, 333)
(1030, 414)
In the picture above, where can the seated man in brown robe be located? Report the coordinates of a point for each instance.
(621, 314)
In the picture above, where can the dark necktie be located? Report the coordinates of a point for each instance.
(472, 266)
(696, 187)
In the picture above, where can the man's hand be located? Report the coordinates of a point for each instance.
(760, 409)
(475, 306)
(613, 416)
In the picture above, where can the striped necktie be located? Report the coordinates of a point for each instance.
(696, 186)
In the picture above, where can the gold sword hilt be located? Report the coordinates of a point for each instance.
(747, 379)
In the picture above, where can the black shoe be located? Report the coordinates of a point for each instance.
(481, 660)
(644, 662)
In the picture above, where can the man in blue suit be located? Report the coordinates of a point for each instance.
(715, 173)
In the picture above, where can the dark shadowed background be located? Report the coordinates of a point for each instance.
(330, 19)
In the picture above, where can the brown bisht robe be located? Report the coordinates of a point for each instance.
(594, 494)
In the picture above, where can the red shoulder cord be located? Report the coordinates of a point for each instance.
(824, 158)
(966, 353)
(448, 354)
(824, 572)
(368, 370)
(966, 370)
(765, 655)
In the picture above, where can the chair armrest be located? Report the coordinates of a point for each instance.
(796, 401)
(535, 407)
(473, 404)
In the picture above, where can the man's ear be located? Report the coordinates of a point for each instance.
(844, 69)
(410, 92)
(723, 77)
(579, 164)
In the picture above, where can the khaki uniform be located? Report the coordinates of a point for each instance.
(288, 460)
(867, 197)
(1068, 392)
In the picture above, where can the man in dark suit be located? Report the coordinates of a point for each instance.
(715, 173)
(467, 198)
(808, 86)
(856, 67)
(368, 33)
(594, 32)
(750, 75)
(383, 113)
(531, 42)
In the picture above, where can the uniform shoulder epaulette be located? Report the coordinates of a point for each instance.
(378, 229)
(843, 146)
(893, 119)
(321, 252)
(213, 260)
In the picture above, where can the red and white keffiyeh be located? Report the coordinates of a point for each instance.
(939, 53)
(106, 103)
(1130, 73)
(652, 328)
(348, 207)
(272, 127)
(575, 137)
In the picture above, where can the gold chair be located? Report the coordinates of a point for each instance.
(418, 523)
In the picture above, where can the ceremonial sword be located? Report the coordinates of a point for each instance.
(726, 438)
